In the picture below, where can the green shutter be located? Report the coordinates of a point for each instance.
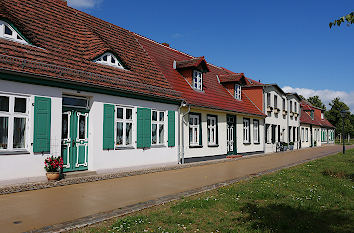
(144, 128)
(108, 127)
(171, 128)
(42, 124)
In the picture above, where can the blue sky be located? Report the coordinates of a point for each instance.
(284, 42)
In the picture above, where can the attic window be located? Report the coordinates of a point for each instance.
(110, 60)
(197, 80)
(238, 92)
(9, 33)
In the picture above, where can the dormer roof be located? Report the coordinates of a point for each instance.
(198, 63)
(229, 78)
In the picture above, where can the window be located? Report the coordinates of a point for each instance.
(312, 114)
(302, 135)
(275, 101)
(13, 120)
(212, 130)
(267, 133)
(268, 99)
(295, 107)
(75, 101)
(256, 131)
(322, 115)
(8, 32)
(246, 130)
(291, 106)
(307, 134)
(110, 60)
(284, 104)
(157, 127)
(194, 130)
(197, 80)
(124, 126)
(238, 93)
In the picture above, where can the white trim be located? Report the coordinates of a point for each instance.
(197, 82)
(110, 60)
(124, 121)
(246, 130)
(194, 124)
(158, 122)
(212, 132)
(14, 37)
(255, 131)
(238, 92)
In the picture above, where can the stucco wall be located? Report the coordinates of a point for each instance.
(251, 147)
(29, 166)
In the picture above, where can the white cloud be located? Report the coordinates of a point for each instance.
(325, 95)
(84, 4)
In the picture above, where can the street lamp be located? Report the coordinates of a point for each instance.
(343, 113)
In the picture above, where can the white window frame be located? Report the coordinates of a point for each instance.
(125, 121)
(238, 92)
(197, 80)
(15, 35)
(109, 62)
(256, 131)
(159, 123)
(194, 127)
(212, 132)
(11, 115)
(246, 130)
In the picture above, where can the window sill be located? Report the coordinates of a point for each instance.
(246, 143)
(125, 147)
(17, 152)
(256, 143)
(196, 146)
(214, 145)
(158, 146)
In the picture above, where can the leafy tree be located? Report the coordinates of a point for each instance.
(349, 18)
(316, 102)
(302, 97)
(334, 116)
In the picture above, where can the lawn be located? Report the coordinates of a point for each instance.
(313, 197)
(351, 142)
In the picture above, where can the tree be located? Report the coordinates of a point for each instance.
(316, 102)
(302, 97)
(334, 116)
(349, 18)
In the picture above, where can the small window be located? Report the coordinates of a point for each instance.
(295, 107)
(110, 60)
(194, 130)
(238, 93)
(322, 115)
(256, 131)
(124, 126)
(246, 130)
(212, 130)
(268, 99)
(13, 122)
(8, 32)
(312, 115)
(158, 128)
(197, 80)
(75, 101)
(284, 104)
(275, 101)
(291, 106)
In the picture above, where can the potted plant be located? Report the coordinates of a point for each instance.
(291, 145)
(53, 165)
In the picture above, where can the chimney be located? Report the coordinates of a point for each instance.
(166, 44)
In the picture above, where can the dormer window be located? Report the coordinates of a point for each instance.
(312, 115)
(238, 92)
(9, 33)
(197, 80)
(322, 115)
(110, 60)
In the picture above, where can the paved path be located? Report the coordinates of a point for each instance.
(36, 209)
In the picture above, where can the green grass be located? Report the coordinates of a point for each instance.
(351, 142)
(313, 197)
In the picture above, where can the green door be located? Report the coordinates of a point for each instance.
(231, 135)
(74, 139)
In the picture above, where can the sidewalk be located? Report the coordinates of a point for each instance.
(32, 210)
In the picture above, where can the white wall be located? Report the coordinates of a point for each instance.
(29, 166)
(251, 147)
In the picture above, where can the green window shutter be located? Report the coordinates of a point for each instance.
(171, 128)
(42, 124)
(108, 127)
(144, 128)
(147, 128)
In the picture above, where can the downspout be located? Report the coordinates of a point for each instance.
(264, 125)
(182, 138)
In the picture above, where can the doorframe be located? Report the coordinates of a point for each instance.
(235, 133)
(72, 163)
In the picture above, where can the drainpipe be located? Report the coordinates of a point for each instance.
(181, 157)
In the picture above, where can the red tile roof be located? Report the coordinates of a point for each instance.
(65, 39)
(194, 63)
(214, 95)
(305, 118)
(225, 78)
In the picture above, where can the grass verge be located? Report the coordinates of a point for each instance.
(313, 197)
